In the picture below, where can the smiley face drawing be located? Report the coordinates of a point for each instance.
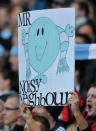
(43, 47)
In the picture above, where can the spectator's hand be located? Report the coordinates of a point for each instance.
(74, 102)
(25, 112)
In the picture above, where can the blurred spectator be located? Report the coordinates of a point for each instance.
(4, 15)
(35, 4)
(33, 123)
(1, 116)
(82, 9)
(15, 37)
(89, 29)
(60, 3)
(42, 122)
(2, 56)
(92, 10)
(82, 39)
(2, 50)
(29, 4)
(5, 84)
(16, 2)
(38, 123)
(51, 114)
(11, 114)
(13, 59)
(15, 82)
(14, 16)
(5, 33)
(80, 21)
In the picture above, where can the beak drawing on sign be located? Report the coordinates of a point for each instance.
(43, 47)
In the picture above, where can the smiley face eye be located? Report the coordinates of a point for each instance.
(37, 32)
(42, 31)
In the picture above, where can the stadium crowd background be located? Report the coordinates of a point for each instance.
(85, 31)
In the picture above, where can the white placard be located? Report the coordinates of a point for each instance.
(46, 56)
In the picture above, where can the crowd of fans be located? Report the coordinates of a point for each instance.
(13, 116)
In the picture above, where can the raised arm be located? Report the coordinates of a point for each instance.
(74, 103)
(26, 114)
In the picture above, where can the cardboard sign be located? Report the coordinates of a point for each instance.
(46, 56)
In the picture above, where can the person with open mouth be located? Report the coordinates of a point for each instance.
(84, 118)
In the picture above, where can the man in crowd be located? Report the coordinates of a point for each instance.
(44, 118)
(33, 123)
(51, 113)
(5, 84)
(12, 115)
(85, 122)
